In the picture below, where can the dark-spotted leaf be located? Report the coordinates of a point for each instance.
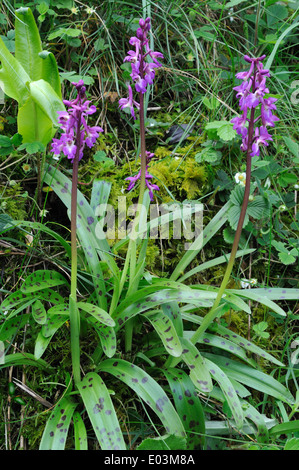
(199, 372)
(101, 412)
(53, 323)
(188, 406)
(148, 390)
(229, 392)
(251, 377)
(39, 312)
(97, 312)
(11, 326)
(166, 331)
(42, 279)
(80, 432)
(41, 344)
(56, 430)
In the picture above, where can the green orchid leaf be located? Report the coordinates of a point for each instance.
(39, 312)
(21, 359)
(42, 279)
(98, 313)
(228, 390)
(213, 226)
(166, 331)
(55, 432)
(251, 378)
(101, 412)
(148, 390)
(199, 373)
(188, 406)
(53, 323)
(80, 432)
(41, 344)
(11, 326)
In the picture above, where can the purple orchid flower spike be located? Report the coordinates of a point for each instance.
(251, 94)
(144, 63)
(73, 122)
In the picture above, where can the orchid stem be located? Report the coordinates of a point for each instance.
(74, 312)
(133, 240)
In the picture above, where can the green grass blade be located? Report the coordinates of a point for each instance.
(214, 262)
(214, 225)
(101, 412)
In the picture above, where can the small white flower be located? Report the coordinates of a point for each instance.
(240, 178)
(43, 213)
(89, 10)
(282, 207)
(267, 183)
(75, 10)
(296, 186)
(245, 283)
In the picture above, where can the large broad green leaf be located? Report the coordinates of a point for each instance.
(50, 71)
(55, 433)
(14, 80)
(101, 412)
(28, 43)
(148, 390)
(47, 99)
(33, 123)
